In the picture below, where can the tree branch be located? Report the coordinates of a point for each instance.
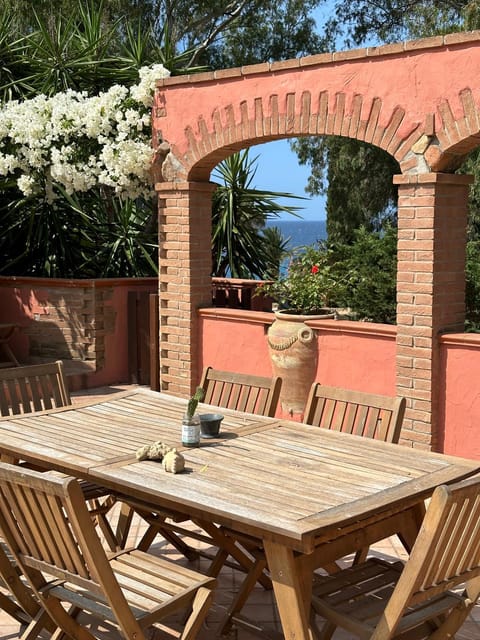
(231, 11)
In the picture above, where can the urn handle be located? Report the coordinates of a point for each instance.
(304, 335)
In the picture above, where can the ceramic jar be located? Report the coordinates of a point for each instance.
(293, 351)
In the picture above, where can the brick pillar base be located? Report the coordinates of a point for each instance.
(432, 219)
(185, 270)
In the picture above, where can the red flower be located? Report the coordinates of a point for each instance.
(314, 269)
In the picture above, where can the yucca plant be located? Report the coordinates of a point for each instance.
(239, 214)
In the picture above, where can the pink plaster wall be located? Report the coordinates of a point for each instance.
(460, 406)
(30, 301)
(234, 340)
(359, 356)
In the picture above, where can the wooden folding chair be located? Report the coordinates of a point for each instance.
(48, 529)
(378, 600)
(33, 388)
(240, 391)
(363, 414)
(39, 387)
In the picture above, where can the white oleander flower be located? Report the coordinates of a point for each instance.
(143, 92)
(79, 142)
(27, 184)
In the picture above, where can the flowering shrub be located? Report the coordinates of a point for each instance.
(79, 141)
(312, 283)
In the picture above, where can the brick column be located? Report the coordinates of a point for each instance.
(185, 269)
(432, 219)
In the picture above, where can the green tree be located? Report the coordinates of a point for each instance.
(241, 248)
(357, 179)
(356, 22)
(370, 262)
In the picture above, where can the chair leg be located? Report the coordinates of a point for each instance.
(217, 563)
(9, 606)
(65, 621)
(124, 523)
(170, 536)
(98, 511)
(361, 555)
(200, 607)
(322, 633)
(238, 553)
(38, 624)
(246, 587)
(452, 623)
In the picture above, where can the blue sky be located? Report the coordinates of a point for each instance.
(278, 169)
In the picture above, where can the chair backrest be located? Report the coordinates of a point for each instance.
(240, 391)
(33, 388)
(363, 414)
(446, 554)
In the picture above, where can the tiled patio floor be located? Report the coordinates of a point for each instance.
(260, 607)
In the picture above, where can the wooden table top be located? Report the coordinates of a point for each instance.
(280, 480)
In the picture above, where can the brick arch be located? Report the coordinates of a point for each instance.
(290, 116)
(419, 101)
(458, 135)
(418, 148)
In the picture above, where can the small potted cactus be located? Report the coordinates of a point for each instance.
(191, 420)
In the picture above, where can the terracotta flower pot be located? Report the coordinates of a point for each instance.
(293, 351)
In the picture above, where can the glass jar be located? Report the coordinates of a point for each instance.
(191, 431)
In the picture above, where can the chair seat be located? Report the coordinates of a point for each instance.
(148, 583)
(355, 599)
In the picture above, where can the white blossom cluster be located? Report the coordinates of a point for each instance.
(79, 142)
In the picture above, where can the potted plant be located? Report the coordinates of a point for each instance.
(310, 285)
(191, 420)
(307, 291)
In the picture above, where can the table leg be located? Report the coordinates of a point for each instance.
(411, 524)
(290, 584)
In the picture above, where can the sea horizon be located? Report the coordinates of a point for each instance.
(299, 232)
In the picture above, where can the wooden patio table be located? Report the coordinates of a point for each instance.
(307, 493)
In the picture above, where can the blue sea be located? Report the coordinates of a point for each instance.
(301, 233)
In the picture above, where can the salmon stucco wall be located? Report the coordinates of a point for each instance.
(235, 340)
(357, 355)
(82, 322)
(460, 406)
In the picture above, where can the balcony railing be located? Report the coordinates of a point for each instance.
(235, 293)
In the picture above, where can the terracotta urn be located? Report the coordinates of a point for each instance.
(292, 345)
